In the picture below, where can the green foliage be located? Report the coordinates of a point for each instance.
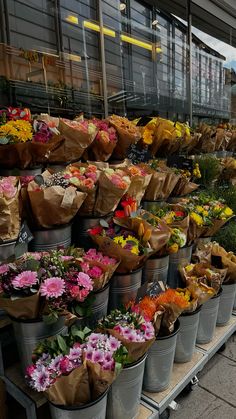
(210, 169)
(226, 237)
(228, 194)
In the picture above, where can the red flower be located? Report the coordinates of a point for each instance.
(127, 200)
(119, 214)
(95, 230)
(179, 214)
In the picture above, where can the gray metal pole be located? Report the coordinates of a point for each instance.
(103, 58)
(190, 67)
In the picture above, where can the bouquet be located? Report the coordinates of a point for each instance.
(46, 284)
(174, 215)
(162, 182)
(75, 137)
(121, 244)
(215, 254)
(105, 141)
(163, 308)
(55, 201)
(185, 185)
(9, 208)
(112, 186)
(100, 268)
(85, 178)
(14, 147)
(140, 179)
(147, 227)
(130, 328)
(77, 368)
(127, 133)
(203, 278)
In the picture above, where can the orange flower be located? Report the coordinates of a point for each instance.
(147, 307)
(171, 296)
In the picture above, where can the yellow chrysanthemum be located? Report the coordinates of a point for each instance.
(120, 240)
(135, 250)
(197, 218)
(19, 131)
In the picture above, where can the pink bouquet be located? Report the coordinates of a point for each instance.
(74, 371)
(104, 143)
(113, 184)
(100, 268)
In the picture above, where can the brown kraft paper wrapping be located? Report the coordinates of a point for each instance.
(109, 195)
(10, 217)
(99, 379)
(159, 235)
(184, 187)
(155, 188)
(210, 231)
(138, 187)
(165, 318)
(22, 308)
(16, 155)
(194, 232)
(72, 389)
(74, 143)
(108, 271)
(228, 260)
(170, 182)
(101, 150)
(87, 207)
(54, 205)
(128, 261)
(135, 349)
(125, 139)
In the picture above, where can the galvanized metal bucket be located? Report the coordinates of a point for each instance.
(125, 393)
(93, 410)
(29, 333)
(234, 307)
(226, 304)
(153, 205)
(7, 249)
(80, 226)
(99, 306)
(207, 320)
(156, 269)
(159, 363)
(55, 168)
(123, 288)
(221, 154)
(21, 172)
(176, 259)
(187, 335)
(54, 238)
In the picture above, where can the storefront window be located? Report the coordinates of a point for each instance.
(51, 61)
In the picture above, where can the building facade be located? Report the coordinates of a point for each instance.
(55, 57)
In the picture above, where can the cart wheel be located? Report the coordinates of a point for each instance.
(222, 348)
(165, 414)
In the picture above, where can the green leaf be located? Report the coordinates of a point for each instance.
(118, 367)
(50, 318)
(86, 330)
(79, 334)
(62, 343)
(104, 224)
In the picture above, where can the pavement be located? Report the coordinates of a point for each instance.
(215, 396)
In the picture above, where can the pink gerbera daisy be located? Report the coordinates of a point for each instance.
(52, 287)
(25, 279)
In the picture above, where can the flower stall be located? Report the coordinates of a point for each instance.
(124, 281)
